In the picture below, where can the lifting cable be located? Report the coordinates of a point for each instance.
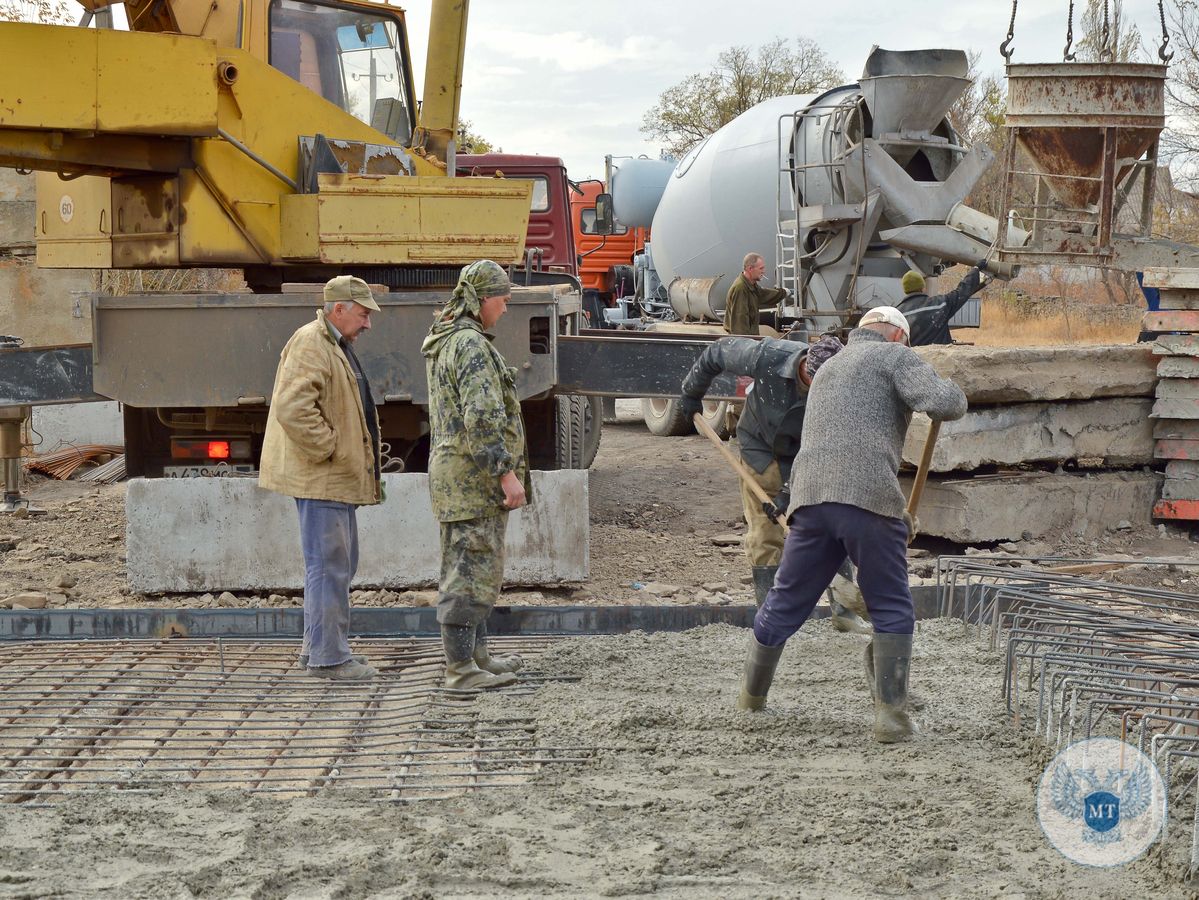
(1005, 49)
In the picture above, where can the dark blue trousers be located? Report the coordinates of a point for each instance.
(819, 540)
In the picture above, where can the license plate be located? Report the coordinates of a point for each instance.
(217, 470)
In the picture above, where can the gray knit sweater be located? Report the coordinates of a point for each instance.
(859, 408)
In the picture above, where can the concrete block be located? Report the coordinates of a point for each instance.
(79, 423)
(1178, 367)
(1034, 505)
(1182, 470)
(16, 185)
(1023, 374)
(46, 307)
(1180, 489)
(216, 534)
(1176, 429)
(1117, 430)
(16, 223)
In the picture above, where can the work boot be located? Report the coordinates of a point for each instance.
(892, 659)
(361, 660)
(845, 591)
(845, 619)
(763, 582)
(496, 665)
(915, 701)
(461, 671)
(350, 670)
(760, 664)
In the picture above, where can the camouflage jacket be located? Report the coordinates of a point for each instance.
(477, 434)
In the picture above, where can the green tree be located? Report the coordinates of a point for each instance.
(741, 78)
(470, 142)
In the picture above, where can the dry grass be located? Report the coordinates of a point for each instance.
(1012, 321)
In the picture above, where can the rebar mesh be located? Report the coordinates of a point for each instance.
(1086, 658)
(141, 715)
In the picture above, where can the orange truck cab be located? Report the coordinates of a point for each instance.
(605, 261)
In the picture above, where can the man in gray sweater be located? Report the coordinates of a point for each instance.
(846, 501)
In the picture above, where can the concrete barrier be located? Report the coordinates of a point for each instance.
(210, 534)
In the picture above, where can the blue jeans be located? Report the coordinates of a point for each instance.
(819, 540)
(329, 539)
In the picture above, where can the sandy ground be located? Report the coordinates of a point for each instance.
(690, 798)
(657, 504)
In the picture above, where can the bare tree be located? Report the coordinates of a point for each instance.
(689, 111)
(1123, 39)
(49, 12)
(1180, 142)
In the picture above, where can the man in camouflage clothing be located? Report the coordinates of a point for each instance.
(478, 469)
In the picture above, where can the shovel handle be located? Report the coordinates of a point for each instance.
(738, 466)
(926, 461)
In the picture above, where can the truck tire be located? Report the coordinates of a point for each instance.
(715, 415)
(571, 429)
(664, 418)
(592, 430)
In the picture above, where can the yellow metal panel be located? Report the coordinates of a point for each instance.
(74, 222)
(298, 227)
(230, 208)
(47, 76)
(380, 220)
(156, 84)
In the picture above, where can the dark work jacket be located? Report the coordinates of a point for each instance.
(772, 421)
(928, 317)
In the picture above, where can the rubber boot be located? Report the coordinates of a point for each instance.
(461, 672)
(892, 660)
(763, 582)
(915, 701)
(496, 665)
(760, 664)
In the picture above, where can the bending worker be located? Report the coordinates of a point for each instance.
(478, 469)
(928, 317)
(768, 434)
(846, 501)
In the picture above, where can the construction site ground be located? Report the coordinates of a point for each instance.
(668, 790)
(665, 521)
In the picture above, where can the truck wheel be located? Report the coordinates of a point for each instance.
(715, 415)
(664, 418)
(592, 430)
(571, 431)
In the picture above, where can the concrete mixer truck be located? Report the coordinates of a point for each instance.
(842, 192)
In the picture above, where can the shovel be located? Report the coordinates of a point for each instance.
(738, 466)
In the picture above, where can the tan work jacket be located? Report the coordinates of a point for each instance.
(317, 445)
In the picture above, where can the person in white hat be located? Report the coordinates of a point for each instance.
(846, 501)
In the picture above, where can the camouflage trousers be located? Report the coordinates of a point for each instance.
(764, 536)
(472, 569)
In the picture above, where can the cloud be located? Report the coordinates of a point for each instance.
(572, 51)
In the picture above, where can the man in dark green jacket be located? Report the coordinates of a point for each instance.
(745, 301)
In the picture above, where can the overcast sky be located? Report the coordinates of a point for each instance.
(573, 79)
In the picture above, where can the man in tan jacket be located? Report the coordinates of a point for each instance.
(322, 447)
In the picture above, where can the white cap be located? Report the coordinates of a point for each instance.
(888, 315)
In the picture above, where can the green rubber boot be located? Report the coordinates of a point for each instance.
(461, 671)
(763, 582)
(892, 660)
(496, 665)
(760, 664)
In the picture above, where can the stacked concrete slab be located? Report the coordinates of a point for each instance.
(997, 472)
(1176, 410)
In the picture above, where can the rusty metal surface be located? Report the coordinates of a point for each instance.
(1125, 95)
